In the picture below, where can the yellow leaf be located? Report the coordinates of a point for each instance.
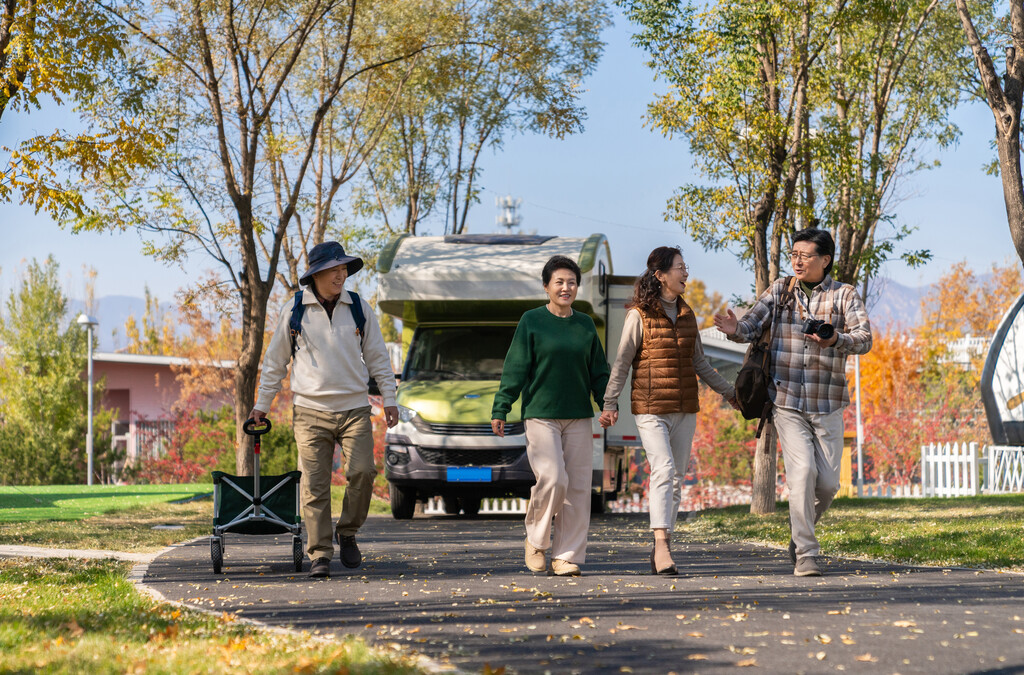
(697, 657)
(868, 658)
(904, 624)
(823, 639)
(746, 663)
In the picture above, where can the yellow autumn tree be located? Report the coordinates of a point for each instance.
(964, 303)
(63, 52)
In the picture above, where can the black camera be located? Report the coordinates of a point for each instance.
(818, 327)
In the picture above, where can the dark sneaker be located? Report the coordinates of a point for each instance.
(350, 555)
(321, 567)
(807, 567)
(792, 551)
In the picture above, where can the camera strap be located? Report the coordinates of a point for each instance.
(804, 301)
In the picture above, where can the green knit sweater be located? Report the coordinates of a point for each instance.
(556, 364)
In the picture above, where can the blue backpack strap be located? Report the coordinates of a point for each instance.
(357, 314)
(295, 321)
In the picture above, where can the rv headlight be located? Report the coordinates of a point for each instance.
(406, 414)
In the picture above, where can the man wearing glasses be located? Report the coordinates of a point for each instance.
(815, 330)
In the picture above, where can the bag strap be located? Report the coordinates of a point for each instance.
(784, 298)
(357, 315)
(295, 320)
(766, 339)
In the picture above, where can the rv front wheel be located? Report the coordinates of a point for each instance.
(403, 502)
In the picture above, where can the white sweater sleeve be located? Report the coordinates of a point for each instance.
(275, 362)
(376, 358)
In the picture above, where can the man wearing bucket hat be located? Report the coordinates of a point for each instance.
(331, 362)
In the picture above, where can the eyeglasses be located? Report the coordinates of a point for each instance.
(683, 268)
(796, 255)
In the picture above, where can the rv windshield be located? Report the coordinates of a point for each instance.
(458, 353)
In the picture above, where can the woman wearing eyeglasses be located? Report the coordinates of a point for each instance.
(661, 343)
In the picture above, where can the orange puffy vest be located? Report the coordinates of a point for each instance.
(664, 380)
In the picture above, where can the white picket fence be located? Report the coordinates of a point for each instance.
(891, 491)
(949, 470)
(1005, 469)
(435, 506)
(959, 470)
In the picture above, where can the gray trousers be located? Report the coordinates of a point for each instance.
(812, 447)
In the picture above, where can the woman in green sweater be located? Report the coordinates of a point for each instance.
(557, 363)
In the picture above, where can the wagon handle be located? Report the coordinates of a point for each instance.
(249, 427)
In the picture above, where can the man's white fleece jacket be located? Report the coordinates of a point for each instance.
(330, 369)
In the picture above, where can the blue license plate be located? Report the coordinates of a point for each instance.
(469, 474)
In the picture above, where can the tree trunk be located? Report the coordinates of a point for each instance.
(762, 501)
(1005, 102)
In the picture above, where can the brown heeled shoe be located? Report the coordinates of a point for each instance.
(665, 565)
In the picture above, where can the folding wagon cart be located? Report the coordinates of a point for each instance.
(240, 506)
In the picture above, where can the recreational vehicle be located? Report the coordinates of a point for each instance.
(458, 299)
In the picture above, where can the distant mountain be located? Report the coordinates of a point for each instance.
(893, 306)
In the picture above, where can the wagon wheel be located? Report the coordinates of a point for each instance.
(217, 554)
(297, 553)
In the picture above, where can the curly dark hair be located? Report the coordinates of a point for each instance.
(647, 289)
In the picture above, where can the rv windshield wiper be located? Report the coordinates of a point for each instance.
(439, 375)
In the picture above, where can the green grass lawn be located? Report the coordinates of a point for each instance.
(69, 616)
(118, 518)
(986, 532)
(80, 616)
(75, 502)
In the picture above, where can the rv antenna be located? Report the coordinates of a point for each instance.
(508, 213)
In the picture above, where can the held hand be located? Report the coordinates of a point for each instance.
(733, 402)
(727, 322)
(498, 427)
(608, 418)
(391, 415)
(257, 415)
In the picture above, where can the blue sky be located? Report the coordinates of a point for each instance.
(613, 178)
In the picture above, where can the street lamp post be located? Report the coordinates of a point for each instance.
(89, 323)
(860, 432)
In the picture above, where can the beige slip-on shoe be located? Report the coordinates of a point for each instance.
(535, 558)
(564, 568)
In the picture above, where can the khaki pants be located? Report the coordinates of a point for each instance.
(316, 433)
(812, 447)
(561, 456)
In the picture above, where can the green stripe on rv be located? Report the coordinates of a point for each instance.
(453, 401)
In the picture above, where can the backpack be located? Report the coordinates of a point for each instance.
(753, 393)
(295, 326)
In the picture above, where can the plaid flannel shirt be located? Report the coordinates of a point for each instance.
(806, 377)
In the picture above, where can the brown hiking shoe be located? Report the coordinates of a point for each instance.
(321, 567)
(350, 555)
(807, 567)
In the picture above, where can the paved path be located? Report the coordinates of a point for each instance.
(41, 552)
(456, 590)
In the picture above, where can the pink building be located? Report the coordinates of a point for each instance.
(143, 389)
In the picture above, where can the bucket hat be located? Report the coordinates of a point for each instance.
(327, 255)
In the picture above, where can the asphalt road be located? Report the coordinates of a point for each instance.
(456, 590)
